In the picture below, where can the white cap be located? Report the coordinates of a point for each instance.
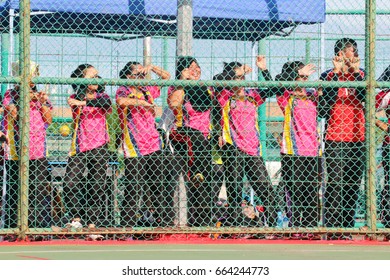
(34, 69)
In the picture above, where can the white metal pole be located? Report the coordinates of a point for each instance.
(184, 28)
(148, 52)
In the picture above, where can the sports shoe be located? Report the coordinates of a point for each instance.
(273, 236)
(339, 236)
(94, 237)
(10, 238)
(197, 179)
(37, 238)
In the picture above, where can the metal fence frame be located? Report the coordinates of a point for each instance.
(370, 84)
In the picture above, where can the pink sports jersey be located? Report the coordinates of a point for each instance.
(37, 135)
(300, 135)
(90, 127)
(239, 121)
(140, 136)
(383, 103)
(188, 117)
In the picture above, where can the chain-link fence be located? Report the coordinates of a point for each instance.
(227, 119)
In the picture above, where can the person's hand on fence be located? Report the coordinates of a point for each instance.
(42, 97)
(163, 74)
(355, 64)
(261, 62)
(338, 63)
(3, 139)
(307, 70)
(74, 102)
(185, 74)
(147, 69)
(243, 70)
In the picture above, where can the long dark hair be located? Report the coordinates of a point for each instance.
(231, 66)
(79, 72)
(228, 73)
(289, 71)
(128, 69)
(184, 62)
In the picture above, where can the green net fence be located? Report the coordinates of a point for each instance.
(143, 119)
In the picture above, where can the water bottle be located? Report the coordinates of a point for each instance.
(285, 221)
(279, 221)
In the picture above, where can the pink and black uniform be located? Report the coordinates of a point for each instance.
(144, 161)
(90, 126)
(240, 121)
(140, 136)
(383, 103)
(39, 215)
(89, 150)
(188, 116)
(37, 134)
(191, 142)
(242, 150)
(300, 150)
(300, 129)
(343, 111)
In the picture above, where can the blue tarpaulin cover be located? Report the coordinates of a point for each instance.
(216, 19)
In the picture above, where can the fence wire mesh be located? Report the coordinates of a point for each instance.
(149, 119)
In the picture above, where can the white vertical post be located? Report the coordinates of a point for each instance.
(322, 48)
(183, 48)
(184, 28)
(11, 39)
(147, 53)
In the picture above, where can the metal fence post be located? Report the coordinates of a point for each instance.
(370, 114)
(184, 27)
(307, 50)
(24, 114)
(4, 58)
(263, 108)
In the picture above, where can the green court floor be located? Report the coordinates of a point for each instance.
(125, 251)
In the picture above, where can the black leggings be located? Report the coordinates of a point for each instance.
(199, 198)
(345, 163)
(86, 198)
(146, 191)
(39, 214)
(238, 164)
(301, 176)
(385, 203)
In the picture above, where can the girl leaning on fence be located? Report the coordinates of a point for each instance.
(300, 147)
(85, 197)
(192, 108)
(39, 188)
(142, 147)
(240, 141)
(383, 103)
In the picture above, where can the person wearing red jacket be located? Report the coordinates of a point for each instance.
(343, 110)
